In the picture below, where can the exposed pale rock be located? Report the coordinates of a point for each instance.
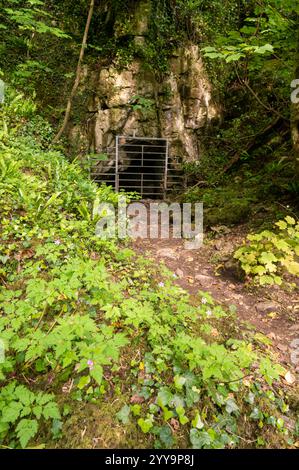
(167, 253)
(182, 104)
(204, 280)
(180, 273)
(267, 307)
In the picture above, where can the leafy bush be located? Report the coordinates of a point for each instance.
(268, 255)
(21, 411)
(81, 313)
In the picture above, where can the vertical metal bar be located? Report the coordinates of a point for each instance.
(141, 188)
(116, 164)
(166, 167)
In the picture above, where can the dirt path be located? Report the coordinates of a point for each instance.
(272, 311)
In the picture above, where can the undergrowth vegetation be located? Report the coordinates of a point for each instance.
(84, 320)
(268, 255)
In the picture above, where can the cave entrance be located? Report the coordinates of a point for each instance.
(141, 165)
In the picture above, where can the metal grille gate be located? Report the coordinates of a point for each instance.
(138, 164)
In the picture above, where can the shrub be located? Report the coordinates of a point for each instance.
(267, 256)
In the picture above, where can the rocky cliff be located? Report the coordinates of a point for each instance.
(136, 101)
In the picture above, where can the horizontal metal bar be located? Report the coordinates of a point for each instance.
(136, 137)
(104, 174)
(141, 173)
(134, 173)
(148, 161)
(135, 177)
(150, 184)
(122, 174)
(141, 144)
(100, 177)
(175, 176)
(134, 160)
(136, 152)
(134, 188)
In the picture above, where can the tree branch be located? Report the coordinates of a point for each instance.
(268, 108)
(78, 75)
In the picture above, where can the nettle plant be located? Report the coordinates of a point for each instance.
(72, 306)
(51, 291)
(268, 256)
(192, 382)
(22, 411)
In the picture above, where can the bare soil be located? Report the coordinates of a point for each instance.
(272, 311)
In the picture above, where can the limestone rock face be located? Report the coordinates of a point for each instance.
(136, 101)
(133, 101)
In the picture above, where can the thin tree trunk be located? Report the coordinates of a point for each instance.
(78, 75)
(295, 118)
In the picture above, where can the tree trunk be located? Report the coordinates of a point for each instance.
(295, 114)
(78, 75)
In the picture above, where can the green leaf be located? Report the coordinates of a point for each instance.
(12, 412)
(51, 410)
(208, 49)
(167, 414)
(231, 406)
(264, 49)
(234, 57)
(256, 414)
(290, 220)
(85, 380)
(97, 373)
(179, 382)
(281, 224)
(37, 411)
(145, 424)
(136, 410)
(199, 439)
(280, 423)
(197, 422)
(26, 430)
(270, 371)
(164, 397)
(267, 257)
(166, 437)
(124, 414)
(213, 55)
(181, 414)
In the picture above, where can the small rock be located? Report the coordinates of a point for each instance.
(232, 270)
(205, 280)
(218, 245)
(282, 347)
(294, 327)
(167, 253)
(290, 378)
(272, 335)
(221, 229)
(175, 424)
(237, 296)
(179, 273)
(267, 307)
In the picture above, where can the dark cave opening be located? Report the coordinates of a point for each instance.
(141, 165)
